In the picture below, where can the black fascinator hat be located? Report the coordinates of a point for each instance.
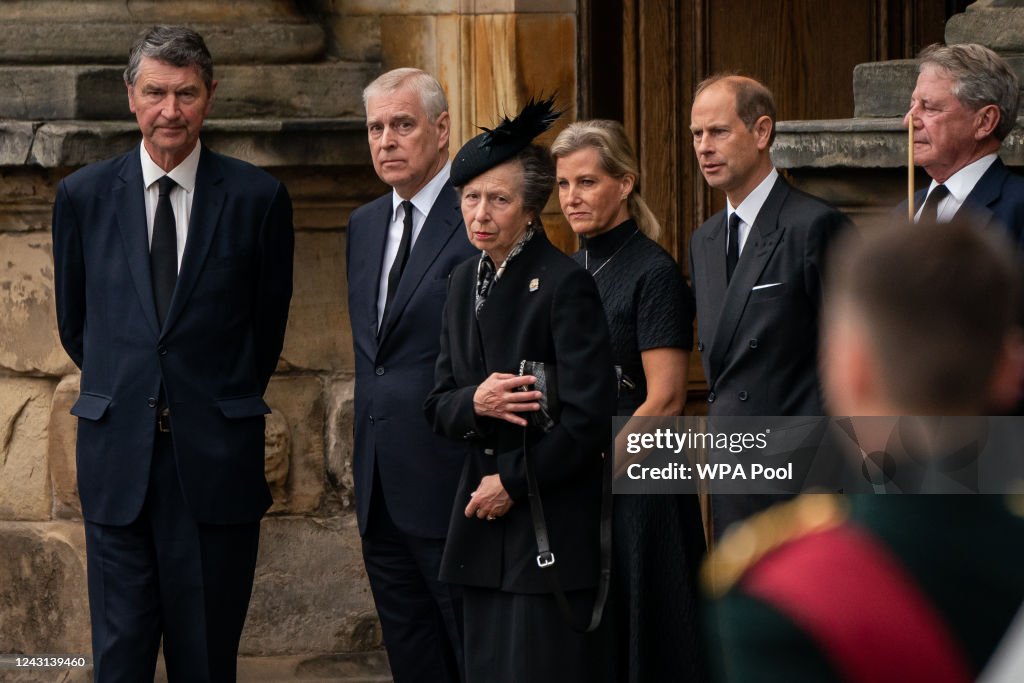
(494, 147)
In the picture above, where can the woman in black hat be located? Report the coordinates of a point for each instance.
(520, 318)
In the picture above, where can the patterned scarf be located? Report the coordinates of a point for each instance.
(486, 275)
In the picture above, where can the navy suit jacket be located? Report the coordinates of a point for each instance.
(759, 346)
(418, 469)
(997, 200)
(214, 354)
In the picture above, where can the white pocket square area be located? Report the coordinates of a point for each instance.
(773, 284)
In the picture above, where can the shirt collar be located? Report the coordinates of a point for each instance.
(751, 206)
(425, 198)
(184, 174)
(963, 181)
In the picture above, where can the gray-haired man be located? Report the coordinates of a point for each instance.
(964, 105)
(173, 269)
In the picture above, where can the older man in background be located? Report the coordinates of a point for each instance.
(963, 107)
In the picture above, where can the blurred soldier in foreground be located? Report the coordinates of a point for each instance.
(888, 588)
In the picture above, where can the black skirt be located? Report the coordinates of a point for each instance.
(521, 638)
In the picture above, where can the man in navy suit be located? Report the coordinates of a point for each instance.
(756, 268)
(964, 105)
(173, 274)
(401, 249)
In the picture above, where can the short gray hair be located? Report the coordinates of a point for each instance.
(420, 82)
(174, 45)
(980, 78)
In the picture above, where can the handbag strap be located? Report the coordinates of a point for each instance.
(546, 557)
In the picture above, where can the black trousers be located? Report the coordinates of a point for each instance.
(420, 616)
(167, 576)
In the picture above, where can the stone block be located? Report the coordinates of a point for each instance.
(861, 143)
(26, 198)
(63, 430)
(29, 343)
(355, 38)
(43, 595)
(340, 426)
(323, 199)
(1000, 28)
(295, 444)
(264, 142)
(311, 594)
(356, 667)
(24, 475)
(318, 336)
(70, 42)
(16, 142)
(883, 88)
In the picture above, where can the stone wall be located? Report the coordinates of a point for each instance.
(290, 78)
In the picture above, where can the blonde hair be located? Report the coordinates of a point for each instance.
(617, 159)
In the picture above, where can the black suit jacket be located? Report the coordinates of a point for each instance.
(214, 354)
(759, 346)
(544, 308)
(997, 200)
(395, 370)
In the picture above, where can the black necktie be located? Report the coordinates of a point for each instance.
(401, 258)
(163, 250)
(930, 212)
(732, 254)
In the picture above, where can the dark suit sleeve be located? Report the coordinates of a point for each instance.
(68, 275)
(277, 245)
(449, 407)
(820, 237)
(586, 392)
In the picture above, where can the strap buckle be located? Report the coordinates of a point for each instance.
(163, 421)
(545, 559)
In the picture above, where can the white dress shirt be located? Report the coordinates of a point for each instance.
(184, 174)
(959, 185)
(421, 204)
(750, 207)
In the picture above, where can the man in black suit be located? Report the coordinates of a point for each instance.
(756, 269)
(963, 107)
(401, 249)
(173, 275)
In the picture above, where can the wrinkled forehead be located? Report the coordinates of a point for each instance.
(403, 101)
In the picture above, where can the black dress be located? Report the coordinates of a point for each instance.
(658, 539)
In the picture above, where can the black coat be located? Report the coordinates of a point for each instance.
(758, 334)
(544, 308)
(214, 354)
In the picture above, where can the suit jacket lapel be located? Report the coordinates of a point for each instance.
(206, 207)
(130, 203)
(437, 231)
(377, 236)
(764, 237)
(987, 192)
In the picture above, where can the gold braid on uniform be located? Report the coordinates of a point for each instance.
(742, 547)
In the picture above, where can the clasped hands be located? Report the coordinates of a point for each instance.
(499, 396)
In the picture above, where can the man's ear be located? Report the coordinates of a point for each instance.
(209, 100)
(131, 97)
(985, 121)
(763, 130)
(444, 127)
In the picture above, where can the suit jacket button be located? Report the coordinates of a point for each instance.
(753, 343)
(711, 397)
(379, 371)
(151, 402)
(162, 350)
(743, 396)
(371, 419)
(700, 346)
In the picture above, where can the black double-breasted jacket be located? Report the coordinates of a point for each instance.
(544, 308)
